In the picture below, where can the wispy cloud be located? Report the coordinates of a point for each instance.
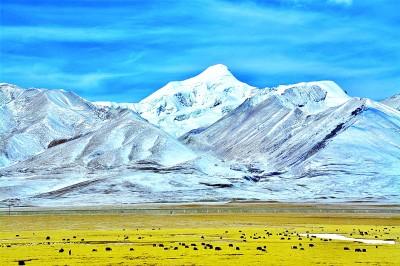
(341, 2)
(316, 2)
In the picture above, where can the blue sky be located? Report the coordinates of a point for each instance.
(124, 50)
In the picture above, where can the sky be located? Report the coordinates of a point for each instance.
(124, 50)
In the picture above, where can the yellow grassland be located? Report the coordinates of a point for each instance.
(23, 237)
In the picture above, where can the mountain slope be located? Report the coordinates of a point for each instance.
(125, 139)
(364, 158)
(393, 101)
(197, 102)
(303, 142)
(263, 127)
(33, 118)
(314, 142)
(115, 105)
(105, 162)
(126, 160)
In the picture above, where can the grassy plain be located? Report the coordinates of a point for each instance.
(160, 238)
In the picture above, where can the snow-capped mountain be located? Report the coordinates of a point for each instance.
(393, 101)
(303, 142)
(64, 129)
(181, 106)
(311, 132)
(125, 139)
(70, 149)
(262, 127)
(124, 146)
(31, 119)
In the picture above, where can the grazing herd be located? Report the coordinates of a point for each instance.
(230, 242)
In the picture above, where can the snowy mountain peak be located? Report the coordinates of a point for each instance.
(8, 92)
(181, 106)
(327, 91)
(60, 97)
(205, 81)
(215, 72)
(4, 86)
(310, 97)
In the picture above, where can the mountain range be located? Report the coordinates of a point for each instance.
(207, 138)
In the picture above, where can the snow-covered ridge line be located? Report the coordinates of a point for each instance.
(393, 101)
(181, 106)
(197, 102)
(32, 119)
(308, 141)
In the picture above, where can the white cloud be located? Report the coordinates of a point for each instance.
(341, 2)
(310, 2)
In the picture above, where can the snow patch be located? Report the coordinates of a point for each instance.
(344, 238)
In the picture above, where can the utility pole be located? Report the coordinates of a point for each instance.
(9, 208)
(11, 203)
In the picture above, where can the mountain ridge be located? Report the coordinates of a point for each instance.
(195, 102)
(393, 101)
(208, 138)
(32, 118)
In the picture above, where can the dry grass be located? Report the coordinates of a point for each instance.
(123, 232)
